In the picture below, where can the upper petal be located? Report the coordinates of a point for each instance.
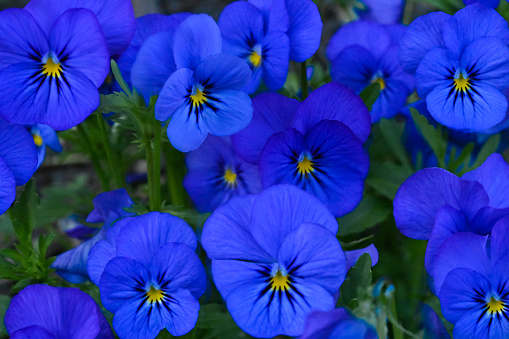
(305, 30)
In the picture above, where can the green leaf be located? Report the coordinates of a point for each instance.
(487, 149)
(24, 213)
(463, 159)
(116, 102)
(370, 212)
(357, 281)
(386, 178)
(22, 284)
(44, 243)
(370, 94)
(432, 135)
(447, 6)
(119, 78)
(392, 132)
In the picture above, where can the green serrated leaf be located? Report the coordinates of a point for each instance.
(432, 135)
(392, 132)
(357, 280)
(214, 321)
(118, 77)
(22, 284)
(370, 212)
(489, 147)
(370, 94)
(24, 213)
(463, 159)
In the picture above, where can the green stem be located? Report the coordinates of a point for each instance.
(94, 158)
(147, 140)
(157, 164)
(109, 153)
(175, 175)
(303, 80)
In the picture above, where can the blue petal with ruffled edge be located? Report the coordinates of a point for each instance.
(328, 162)
(116, 18)
(109, 206)
(58, 311)
(216, 174)
(272, 113)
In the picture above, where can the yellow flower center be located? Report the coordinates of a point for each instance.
(154, 295)
(461, 84)
(379, 81)
(305, 166)
(255, 59)
(230, 177)
(280, 282)
(495, 306)
(198, 98)
(51, 69)
(37, 140)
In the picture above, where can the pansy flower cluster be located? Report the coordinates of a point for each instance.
(292, 128)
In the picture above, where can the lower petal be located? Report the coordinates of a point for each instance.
(187, 129)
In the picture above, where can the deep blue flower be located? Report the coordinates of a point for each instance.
(43, 136)
(116, 18)
(51, 78)
(361, 53)
(18, 161)
(216, 173)
(45, 312)
(435, 204)
(301, 21)
(275, 258)
(108, 208)
(383, 12)
(461, 69)
(338, 323)
(433, 326)
(203, 96)
(487, 3)
(148, 61)
(266, 52)
(471, 280)
(152, 278)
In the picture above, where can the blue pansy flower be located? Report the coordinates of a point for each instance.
(108, 208)
(148, 61)
(154, 278)
(216, 173)
(203, 96)
(266, 51)
(45, 312)
(43, 136)
(338, 323)
(18, 161)
(315, 145)
(435, 204)
(461, 69)
(383, 12)
(301, 21)
(116, 18)
(51, 77)
(487, 3)
(362, 53)
(275, 258)
(471, 280)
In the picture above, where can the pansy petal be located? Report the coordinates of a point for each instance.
(18, 151)
(359, 33)
(195, 39)
(275, 15)
(387, 12)
(116, 18)
(186, 131)
(390, 101)
(132, 321)
(499, 240)
(32, 332)
(174, 93)
(222, 71)
(154, 64)
(486, 218)
(121, 278)
(109, 206)
(461, 250)
(272, 113)
(423, 35)
(7, 187)
(313, 253)
(354, 66)
(280, 209)
(20, 37)
(305, 29)
(473, 22)
(184, 313)
(98, 257)
(353, 255)
(226, 233)
(493, 175)
(433, 71)
(144, 234)
(275, 49)
(77, 39)
(50, 138)
(334, 101)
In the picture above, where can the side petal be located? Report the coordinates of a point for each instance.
(109, 206)
(305, 29)
(423, 35)
(222, 71)
(280, 209)
(50, 137)
(98, 257)
(7, 187)
(174, 93)
(334, 101)
(275, 51)
(272, 113)
(18, 151)
(433, 71)
(115, 16)
(195, 39)
(275, 15)
(354, 66)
